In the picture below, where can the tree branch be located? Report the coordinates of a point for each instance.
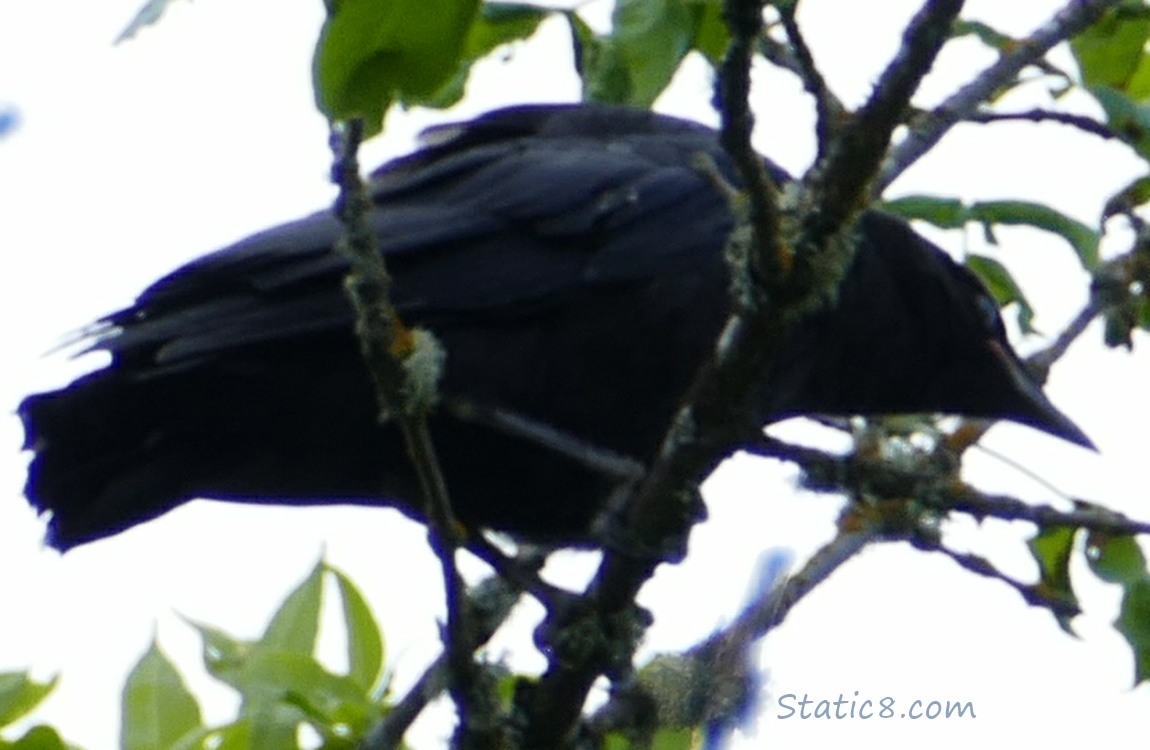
(395, 357)
(829, 110)
(840, 180)
(927, 131)
(716, 417)
(936, 488)
(1082, 122)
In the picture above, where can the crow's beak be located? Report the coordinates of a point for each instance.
(1033, 407)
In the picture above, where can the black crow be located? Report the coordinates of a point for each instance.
(570, 260)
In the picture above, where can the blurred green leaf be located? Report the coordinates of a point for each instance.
(1082, 238)
(372, 53)
(952, 213)
(1117, 559)
(1112, 52)
(1127, 118)
(947, 213)
(651, 38)
(1134, 624)
(38, 738)
(674, 739)
(157, 709)
(1003, 287)
(145, 16)
(664, 739)
(234, 736)
(495, 25)
(1051, 549)
(295, 625)
(19, 694)
(648, 40)
(1136, 193)
(365, 654)
(223, 653)
(282, 688)
(500, 23)
(711, 35)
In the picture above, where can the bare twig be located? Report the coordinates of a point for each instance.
(769, 611)
(827, 472)
(716, 417)
(1082, 122)
(841, 179)
(1033, 595)
(704, 685)
(745, 21)
(926, 132)
(1041, 361)
(491, 602)
(387, 344)
(828, 109)
(602, 460)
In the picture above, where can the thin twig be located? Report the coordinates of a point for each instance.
(745, 21)
(386, 343)
(833, 473)
(829, 110)
(716, 417)
(926, 132)
(841, 179)
(705, 687)
(1031, 594)
(1082, 122)
(491, 602)
(602, 460)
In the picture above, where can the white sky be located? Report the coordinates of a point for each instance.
(130, 160)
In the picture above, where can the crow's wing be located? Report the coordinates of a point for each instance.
(497, 221)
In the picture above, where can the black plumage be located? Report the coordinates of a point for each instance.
(570, 260)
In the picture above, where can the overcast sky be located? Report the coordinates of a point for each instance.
(130, 160)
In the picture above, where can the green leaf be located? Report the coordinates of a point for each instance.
(295, 625)
(223, 653)
(1003, 287)
(1127, 118)
(674, 739)
(371, 53)
(1082, 238)
(234, 736)
(495, 25)
(145, 16)
(664, 739)
(651, 37)
(1110, 52)
(365, 654)
(38, 738)
(1051, 548)
(600, 64)
(1136, 193)
(952, 213)
(157, 710)
(947, 213)
(281, 689)
(272, 724)
(711, 36)
(1134, 624)
(1117, 559)
(500, 23)
(19, 694)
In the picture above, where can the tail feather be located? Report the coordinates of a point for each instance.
(99, 463)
